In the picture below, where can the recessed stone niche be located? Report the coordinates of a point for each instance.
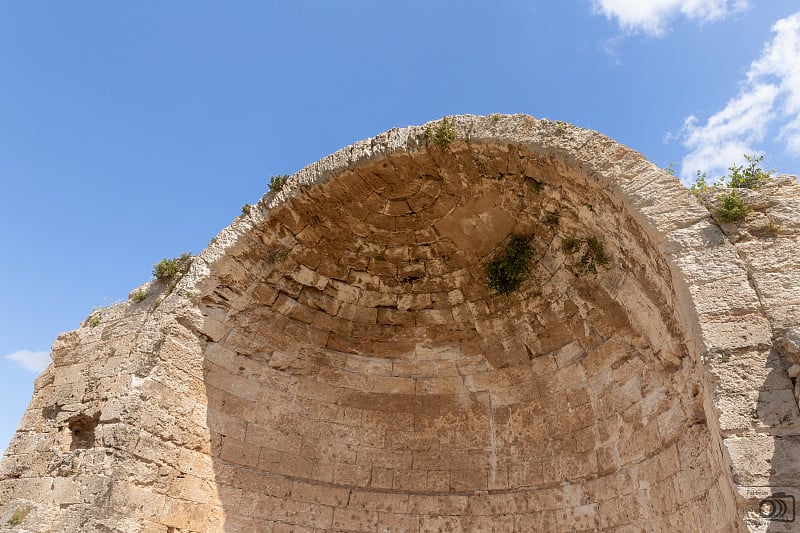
(335, 361)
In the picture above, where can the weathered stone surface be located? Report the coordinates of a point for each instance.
(335, 361)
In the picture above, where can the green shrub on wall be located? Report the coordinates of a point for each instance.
(169, 269)
(506, 272)
(733, 207)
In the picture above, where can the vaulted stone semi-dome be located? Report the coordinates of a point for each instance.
(337, 359)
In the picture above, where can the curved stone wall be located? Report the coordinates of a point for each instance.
(335, 360)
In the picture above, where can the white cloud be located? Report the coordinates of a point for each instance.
(768, 101)
(652, 16)
(33, 361)
(780, 62)
(609, 47)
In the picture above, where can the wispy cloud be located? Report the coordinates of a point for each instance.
(652, 17)
(33, 361)
(609, 47)
(768, 103)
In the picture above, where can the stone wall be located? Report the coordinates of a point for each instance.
(335, 361)
(758, 408)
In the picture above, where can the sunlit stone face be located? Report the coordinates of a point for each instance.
(356, 349)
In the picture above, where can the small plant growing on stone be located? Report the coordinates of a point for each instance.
(172, 269)
(570, 245)
(139, 296)
(749, 176)
(276, 183)
(246, 209)
(699, 186)
(733, 207)
(94, 321)
(19, 515)
(506, 272)
(496, 117)
(551, 220)
(592, 256)
(670, 169)
(277, 255)
(442, 134)
(773, 228)
(536, 186)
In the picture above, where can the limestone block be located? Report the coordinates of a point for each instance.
(736, 332)
(779, 288)
(749, 370)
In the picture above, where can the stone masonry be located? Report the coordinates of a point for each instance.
(334, 360)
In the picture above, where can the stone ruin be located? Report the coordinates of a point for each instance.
(334, 360)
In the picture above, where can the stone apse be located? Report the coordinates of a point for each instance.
(334, 360)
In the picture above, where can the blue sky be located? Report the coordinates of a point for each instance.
(135, 131)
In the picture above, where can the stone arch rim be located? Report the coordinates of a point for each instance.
(649, 194)
(557, 139)
(567, 143)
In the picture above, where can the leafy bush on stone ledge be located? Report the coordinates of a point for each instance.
(276, 183)
(749, 176)
(169, 269)
(700, 185)
(139, 296)
(506, 272)
(441, 135)
(733, 207)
